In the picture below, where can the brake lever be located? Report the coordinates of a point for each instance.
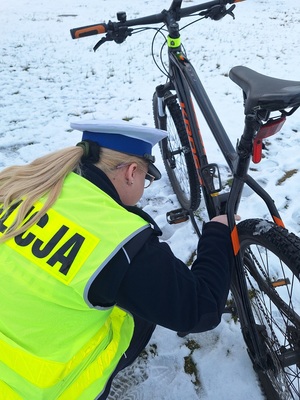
(228, 11)
(98, 44)
(218, 12)
(117, 34)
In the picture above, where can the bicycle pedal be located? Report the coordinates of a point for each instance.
(177, 216)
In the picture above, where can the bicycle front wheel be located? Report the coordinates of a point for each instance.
(176, 153)
(271, 259)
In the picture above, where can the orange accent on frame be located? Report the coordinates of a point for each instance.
(190, 137)
(235, 241)
(280, 282)
(278, 222)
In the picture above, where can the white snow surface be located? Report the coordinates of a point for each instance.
(48, 80)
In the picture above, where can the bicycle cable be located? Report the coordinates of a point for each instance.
(160, 30)
(162, 69)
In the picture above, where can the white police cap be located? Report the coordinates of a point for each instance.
(124, 137)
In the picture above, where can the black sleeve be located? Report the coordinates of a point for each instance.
(161, 289)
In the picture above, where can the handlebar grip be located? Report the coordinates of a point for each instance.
(88, 30)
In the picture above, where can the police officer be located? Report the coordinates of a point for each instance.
(84, 277)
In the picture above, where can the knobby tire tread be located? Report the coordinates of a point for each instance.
(286, 247)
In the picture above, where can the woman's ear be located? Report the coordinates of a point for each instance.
(130, 172)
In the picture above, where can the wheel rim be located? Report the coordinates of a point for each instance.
(274, 293)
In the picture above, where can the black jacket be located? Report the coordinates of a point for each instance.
(158, 287)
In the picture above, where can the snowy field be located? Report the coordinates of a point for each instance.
(47, 80)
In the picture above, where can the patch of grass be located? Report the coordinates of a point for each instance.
(287, 175)
(252, 294)
(230, 304)
(190, 366)
(192, 345)
(150, 350)
(26, 67)
(229, 182)
(191, 259)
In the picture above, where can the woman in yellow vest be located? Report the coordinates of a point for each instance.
(84, 279)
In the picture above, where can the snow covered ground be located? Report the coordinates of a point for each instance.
(48, 80)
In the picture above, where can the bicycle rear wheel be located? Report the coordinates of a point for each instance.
(177, 155)
(271, 259)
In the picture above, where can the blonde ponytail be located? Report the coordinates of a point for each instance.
(43, 176)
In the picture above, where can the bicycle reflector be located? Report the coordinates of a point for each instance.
(268, 129)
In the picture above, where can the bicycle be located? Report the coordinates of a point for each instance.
(265, 281)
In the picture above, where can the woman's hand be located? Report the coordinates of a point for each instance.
(223, 219)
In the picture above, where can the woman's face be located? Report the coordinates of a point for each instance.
(129, 181)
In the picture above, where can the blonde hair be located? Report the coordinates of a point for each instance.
(110, 159)
(45, 176)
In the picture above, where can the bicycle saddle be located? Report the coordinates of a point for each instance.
(264, 92)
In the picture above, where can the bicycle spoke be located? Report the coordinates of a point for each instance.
(275, 295)
(177, 158)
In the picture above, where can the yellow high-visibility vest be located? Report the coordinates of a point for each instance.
(53, 343)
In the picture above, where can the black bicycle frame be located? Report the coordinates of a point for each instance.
(185, 81)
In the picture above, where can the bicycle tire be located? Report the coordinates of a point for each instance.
(176, 153)
(271, 259)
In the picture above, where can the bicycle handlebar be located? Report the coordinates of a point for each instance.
(96, 29)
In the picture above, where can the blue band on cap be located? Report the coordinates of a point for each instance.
(124, 144)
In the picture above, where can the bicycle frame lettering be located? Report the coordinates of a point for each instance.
(190, 135)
